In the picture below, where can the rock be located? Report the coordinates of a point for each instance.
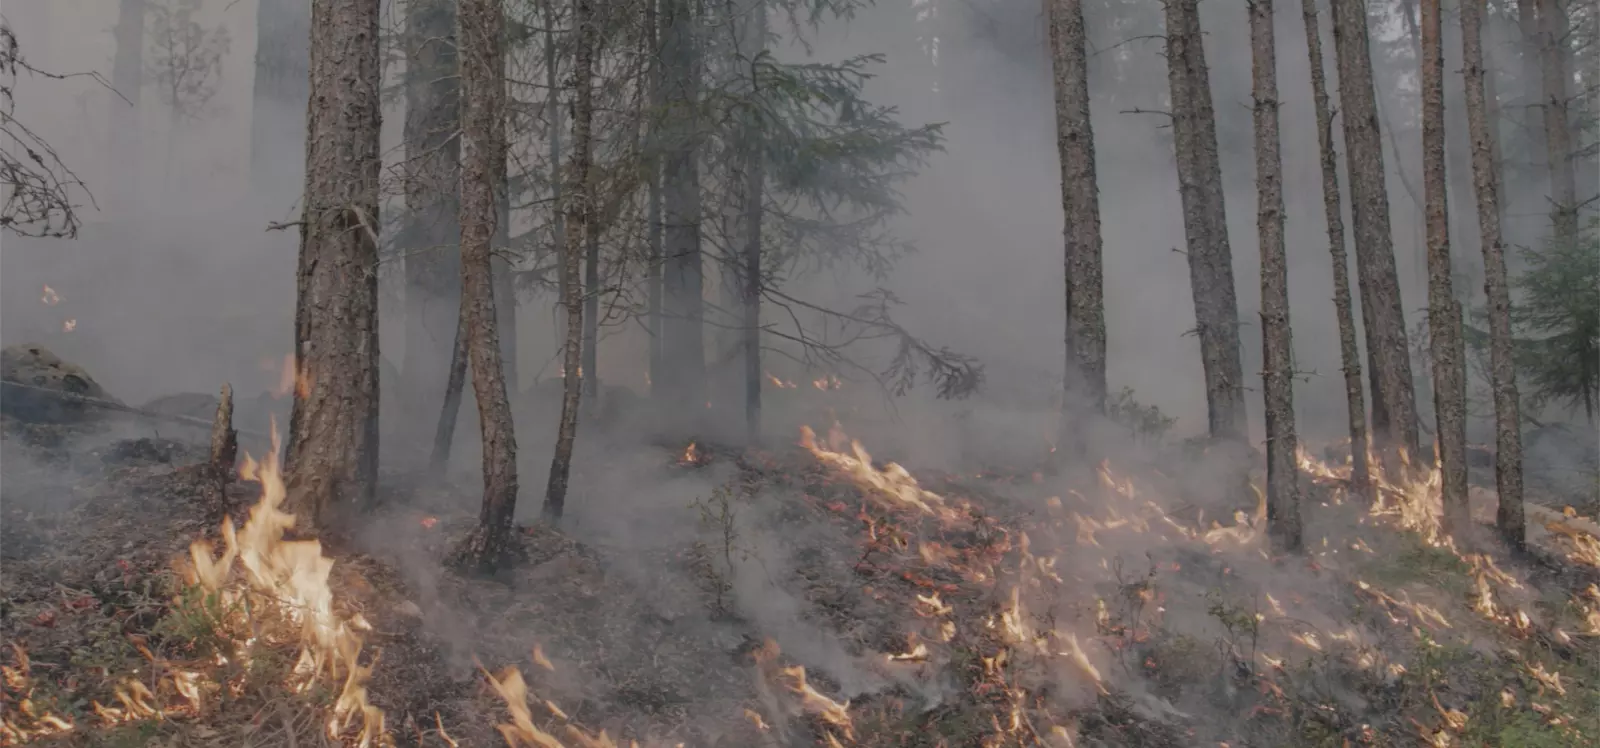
(34, 365)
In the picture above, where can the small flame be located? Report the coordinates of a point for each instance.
(69, 325)
(50, 297)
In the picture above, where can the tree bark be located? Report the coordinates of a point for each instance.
(591, 314)
(432, 224)
(683, 282)
(552, 62)
(1554, 49)
(1444, 311)
(1084, 383)
(653, 143)
(1502, 368)
(127, 78)
(1530, 102)
(753, 194)
(480, 31)
(579, 202)
(1349, 351)
(1394, 407)
(1277, 345)
(1194, 130)
(278, 102)
(444, 434)
(332, 458)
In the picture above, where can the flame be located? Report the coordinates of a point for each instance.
(292, 378)
(782, 384)
(293, 575)
(69, 325)
(50, 297)
(690, 455)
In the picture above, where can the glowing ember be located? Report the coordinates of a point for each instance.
(50, 297)
(69, 325)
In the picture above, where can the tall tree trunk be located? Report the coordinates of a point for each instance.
(1349, 352)
(552, 78)
(1502, 367)
(683, 282)
(1444, 311)
(505, 286)
(332, 459)
(480, 33)
(1394, 406)
(1530, 103)
(1085, 372)
(754, 167)
(652, 164)
(1205, 221)
(127, 78)
(579, 206)
(444, 434)
(1554, 49)
(278, 103)
(1277, 345)
(591, 312)
(431, 229)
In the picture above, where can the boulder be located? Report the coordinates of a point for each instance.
(34, 366)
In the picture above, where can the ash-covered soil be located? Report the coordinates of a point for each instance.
(803, 596)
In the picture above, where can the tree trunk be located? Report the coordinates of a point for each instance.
(505, 287)
(1502, 367)
(480, 32)
(1085, 372)
(552, 83)
(1216, 308)
(591, 312)
(1444, 311)
(683, 282)
(1554, 49)
(127, 78)
(1349, 352)
(1277, 346)
(332, 459)
(578, 204)
(432, 223)
(1394, 407)
(278, 103)
(444, 434)
(652, 164)
(1529, 102)
(753, 193)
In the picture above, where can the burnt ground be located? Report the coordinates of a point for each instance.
(653, 628)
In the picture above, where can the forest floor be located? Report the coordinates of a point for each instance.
(805, 595)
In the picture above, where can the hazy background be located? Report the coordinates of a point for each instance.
(184, 288)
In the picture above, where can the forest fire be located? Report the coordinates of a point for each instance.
(290, 579)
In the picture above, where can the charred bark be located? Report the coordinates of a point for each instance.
(1444, 311)
(278, 102)
(1394, 407)
(431, 229)
(1502, 368)
(683, 281)
(578, 205)
(480, 29)
(1349, 351)
(1277, 345)
(1216, 307)
(332, 458)
(1085, 378)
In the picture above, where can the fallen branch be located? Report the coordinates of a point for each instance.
(14, 388)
